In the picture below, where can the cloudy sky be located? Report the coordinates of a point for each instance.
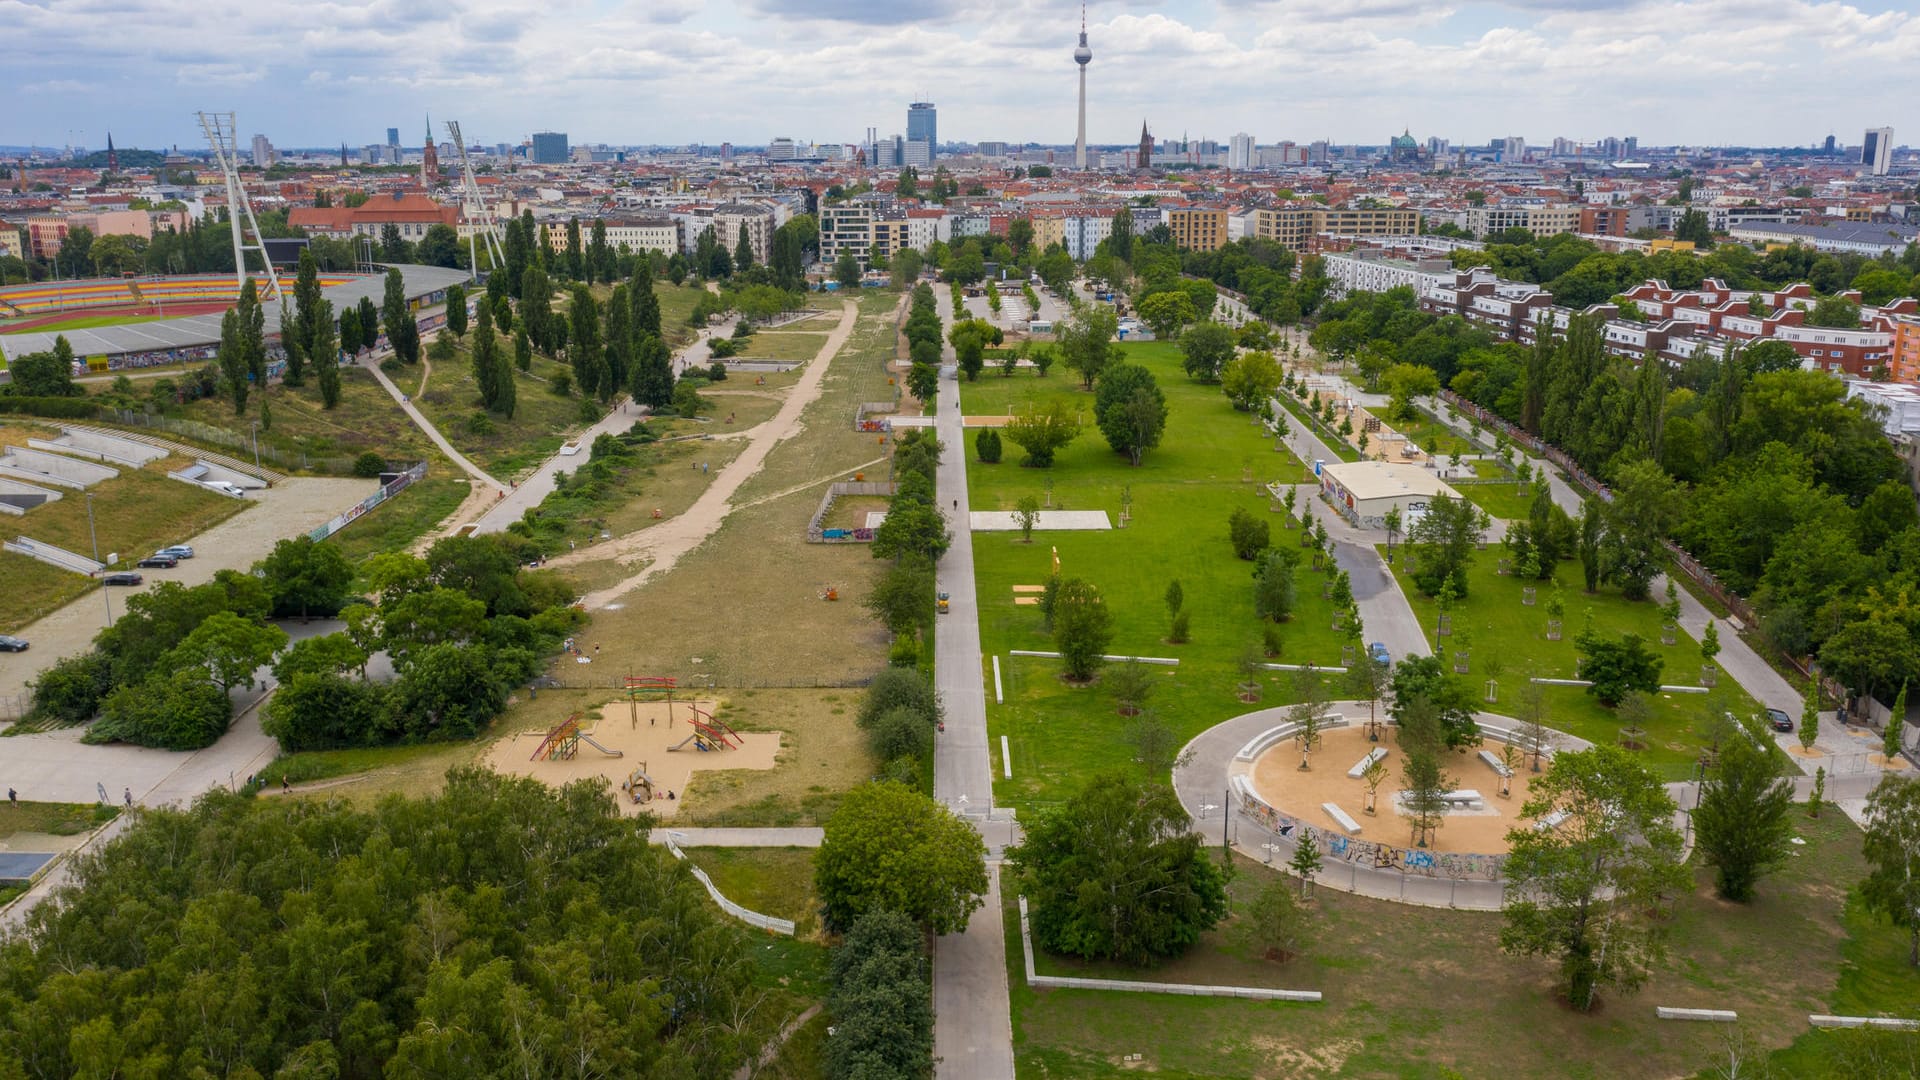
(321, 72)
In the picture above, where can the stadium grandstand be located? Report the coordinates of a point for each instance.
(179, 317)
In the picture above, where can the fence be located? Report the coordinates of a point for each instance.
(870, 417)
(1687, 564)
(393, 487)
(241, 444)
(818, 535)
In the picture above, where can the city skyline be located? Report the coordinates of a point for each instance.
(823, 70)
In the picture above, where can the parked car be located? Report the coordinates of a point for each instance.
(160, 562)
(122, 578)
(225, 488)
(1378, 650)
(1780, 721)
(178, 551)
(12, 644)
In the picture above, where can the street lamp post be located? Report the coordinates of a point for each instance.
(256, 449)
(105, 593)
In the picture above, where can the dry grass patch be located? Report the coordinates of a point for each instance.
(822, 756)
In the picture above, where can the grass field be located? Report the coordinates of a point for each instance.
(1499, 498)
(1496, 624)
(56, 819)
(785, 345)
(502, 447)
(747, 601)
(134, 514)
(771, 881)
(395, 524)
(79, 322)
(1182, 496)
(1425, 992)
(366, 418)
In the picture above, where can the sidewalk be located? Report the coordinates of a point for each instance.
(420, 421)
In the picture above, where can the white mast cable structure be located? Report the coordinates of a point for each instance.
(224, 140)
(480, 217)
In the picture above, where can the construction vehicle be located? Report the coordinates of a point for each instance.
(941, 605)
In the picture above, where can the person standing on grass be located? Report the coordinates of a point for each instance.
(13, 798)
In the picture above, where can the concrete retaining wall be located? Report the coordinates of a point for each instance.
(53, 556)
(751, 918)
(40, 466)
(87, 444)
(1712, 1016)
(1165, 661)
(1258, 993)
(18, 497)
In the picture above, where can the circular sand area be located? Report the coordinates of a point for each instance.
(1276, 775)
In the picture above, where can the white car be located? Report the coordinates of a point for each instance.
(226, 488)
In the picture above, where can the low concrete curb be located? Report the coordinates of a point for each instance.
(1061, 982)
(1716, 1016)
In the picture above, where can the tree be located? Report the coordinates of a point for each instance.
(1166, 312)
(232, 359)
(1042, 429)
(1308, 713)
(1205, 348)
(1027, 513)
(1446, 537)
(915, 529)
(50, 374)
(881, 1000)
(305, 578)
(229, 648)
(986, 446)
(523, 353)
(1809, 732)
(403, 334)
(888, 847)
(1429, 680)
(1082, 627)
(1117, 873)
(1131, 684)
(1741, 823)
(1249, 535)
(1274, 925)
(1274, 589)
(846, 270)
(1130, 410)
(1644, 508)
(457, 309)
(1306, 861)
(1407, 382)
(309, 317)
(585, 352)
(1087, 342)
(970, 356)
(1892, 848)
(1618, 667)
(1584, 891)
(1896, 725)
(328, 654)
(1250, 380)
(902, 600)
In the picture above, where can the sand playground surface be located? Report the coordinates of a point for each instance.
(644, 737)
(1277, 777)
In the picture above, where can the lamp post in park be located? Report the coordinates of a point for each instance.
(105, 594)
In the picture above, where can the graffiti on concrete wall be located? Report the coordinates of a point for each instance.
(1373, 854)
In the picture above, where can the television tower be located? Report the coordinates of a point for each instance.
(1082, 56)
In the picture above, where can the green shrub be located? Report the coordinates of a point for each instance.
(479, 425)
(717, 372)
(1250, 535)
(561, 385)
(987, 446)
(56, 407)
(900, 733)
(369, 465)
(904, 653)
(70, 691)
(899, 688)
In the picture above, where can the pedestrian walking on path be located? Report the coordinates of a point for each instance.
(127, 795)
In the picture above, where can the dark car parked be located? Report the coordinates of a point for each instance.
(163, 562)
(123, 578)
(1780, 721)
(12, 644)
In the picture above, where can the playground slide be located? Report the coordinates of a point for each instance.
(698, 743)
(588, 739)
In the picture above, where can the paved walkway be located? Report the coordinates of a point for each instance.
(798, 837)
(426, 426)
(972, 1029)
(515, 501)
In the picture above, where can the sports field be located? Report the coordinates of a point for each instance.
(56, 323)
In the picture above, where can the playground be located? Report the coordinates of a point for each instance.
(1467, 828)
(642, 748)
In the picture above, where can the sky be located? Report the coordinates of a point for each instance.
(320, 72)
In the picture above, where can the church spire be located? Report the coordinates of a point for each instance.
(113, 159)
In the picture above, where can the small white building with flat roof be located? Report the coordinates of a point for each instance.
(1364, 490)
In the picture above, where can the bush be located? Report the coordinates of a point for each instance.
(369, 465)
(70, 690)
(881, 1002)
(905, 652)
(899, 688)
(987, 446)
(900, 733)
(479, 425)
(323, 712)
(1270, 641)
(1181, 624)
(687, 402)
(1617, 667)
(56, 407)
(717, 372)
(391, 366)
(183, 710)
(561, 385)
(1250, 535)
(723, 348)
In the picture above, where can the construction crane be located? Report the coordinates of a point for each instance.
(224, 140)
(479, 216)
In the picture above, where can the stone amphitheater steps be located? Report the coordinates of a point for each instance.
(184, 449)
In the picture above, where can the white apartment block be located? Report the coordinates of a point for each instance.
(1082, 234)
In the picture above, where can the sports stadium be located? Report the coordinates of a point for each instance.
(116, 324)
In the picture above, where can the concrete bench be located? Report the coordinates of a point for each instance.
(1373, 755)
(1551, 821)
(1493, 762)
(1333, 811)
(1244, 788)
(1462, 797)
(1717, 1016)
(1885, 1023)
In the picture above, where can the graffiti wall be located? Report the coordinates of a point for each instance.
(1339, 847)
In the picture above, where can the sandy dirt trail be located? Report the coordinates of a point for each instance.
(662, 545)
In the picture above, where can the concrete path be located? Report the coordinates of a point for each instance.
(972, 1030)
(514, 501)
(798, 837)
(426, 426)
(664, 544)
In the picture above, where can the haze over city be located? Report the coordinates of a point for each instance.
(1717, 72)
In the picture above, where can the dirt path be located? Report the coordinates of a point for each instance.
(420, 421)
(665, 543)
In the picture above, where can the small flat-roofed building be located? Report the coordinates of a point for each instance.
(1365, 490)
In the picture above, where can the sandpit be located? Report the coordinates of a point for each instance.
(1277, 777)
(643, 734)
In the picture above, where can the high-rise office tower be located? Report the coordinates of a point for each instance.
(1082, 56)
(550, 148)
(923, 122)
(393, 136)
(1876, 150)
(262, 152)
(1240, 151)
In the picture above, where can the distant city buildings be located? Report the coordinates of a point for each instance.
(262, 152)
(550, 148)
(1876, 150)
(1240, 152)
(923, 124)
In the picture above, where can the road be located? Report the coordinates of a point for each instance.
(289, 508)
(972, 1031)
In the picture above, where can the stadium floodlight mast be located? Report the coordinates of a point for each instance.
(481, 220)
(224, 140)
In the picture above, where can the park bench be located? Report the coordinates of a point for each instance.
(1551, 821)
(1467, 797)
(1493, 762)
(1373, 755)
(1333, 811)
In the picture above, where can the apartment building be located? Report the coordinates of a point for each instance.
(1198, 228)
(1294, 227)
(1540, 220)
(411, 212)
(731, 220)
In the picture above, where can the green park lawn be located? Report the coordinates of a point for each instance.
(502, 447)
(1182, 496)
(395, 524)
(1424, 426)
(1499, 498)
(1426, 993)
(1497, 626)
